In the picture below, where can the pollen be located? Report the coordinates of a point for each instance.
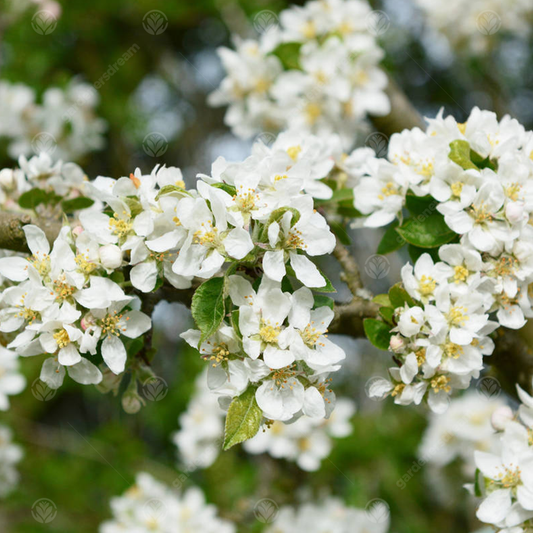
(62, 338)
(294, 240)
(312, 112)
(440, 383)
(389, 190)
(120, 226)
(110, 324)
(460, 273)
(513, 191)
(426, 285)
(294, 152)
(457, 188)
(453, 350)
(136, 181)
(84, 265)
(268, 333)
(458, 316)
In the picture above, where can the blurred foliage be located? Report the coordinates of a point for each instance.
(80, 447)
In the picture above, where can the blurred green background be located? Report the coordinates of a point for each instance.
(80, 447)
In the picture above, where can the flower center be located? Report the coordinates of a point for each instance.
(461, 273)
(458, 316)
(110, 324)
(268, 333)
(453, 350)
(440, 383)
(84, 265)
(207, 236)
(294, 240)
(513, 191)
(42, 265)
(389, 190)
(427, 285)
(294, 152)
(457, 188)
(120, 226)
(510, 477)
(62, 338)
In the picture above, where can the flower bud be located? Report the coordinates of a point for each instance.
(501, 417)
(514, 211)
(396, 343)
(7, 178)
(111, 256)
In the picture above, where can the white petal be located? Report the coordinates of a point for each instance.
(144, 276)
(495, 507)
(274, 265)
(306, 271)
(85, 373)
(14, 268)
(114, 354)
(37, 241)
(52, 373)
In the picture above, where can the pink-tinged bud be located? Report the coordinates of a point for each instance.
(78, 230)
(111, 256)
(84, 324)
(501, 417)
(514, 211)
(396, 343)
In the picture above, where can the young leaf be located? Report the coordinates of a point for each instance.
(399, 297)
(420, 205)
(230, 189)
(426, 232)
(321, 301)
(382, 299)
(340, 195)
(243, 419)
(377, 332)
(391, 240)
(34, 197)
(208, 308)
(460, 154)
(76, 204)
(387, 314)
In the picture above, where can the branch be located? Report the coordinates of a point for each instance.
(12, 236)
(403, 114)
(350, 274)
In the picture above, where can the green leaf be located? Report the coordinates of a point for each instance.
(387, 314)
(415, 252)
(76, 204)
(169, 189)
(324, 301)
(208, 307)
(426, 232)
(135, 205)
(382, 299)
(243, 419)
(278, 214)
(339, 195)
(31, 199)
(377, 332)
(339, 231)
(391, 240)
(328, 287)
(235, 322)
(399, 297)
(420, 205)
(460, 154)
(289, 55)
(477, 489)
(230, 189)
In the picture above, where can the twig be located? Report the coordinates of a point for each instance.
(12, 236)
(350, 274)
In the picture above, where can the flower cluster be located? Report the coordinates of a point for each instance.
(64, 124)
(505, 479)
(440, 332)
(464, 428)
(318, 70)
(461, 182)
(10, 455)
(151, 507)
(331, 515)
(278, 345)
(473, 26)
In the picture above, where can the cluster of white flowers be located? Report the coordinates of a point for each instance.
(317, 70)
(505, 479)
(331, 515)
(151, 507)
(475, 26)
(10, 455)
(69, 300)
(306, 441)
(64, 124)
(464, 428)
(479, 176)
